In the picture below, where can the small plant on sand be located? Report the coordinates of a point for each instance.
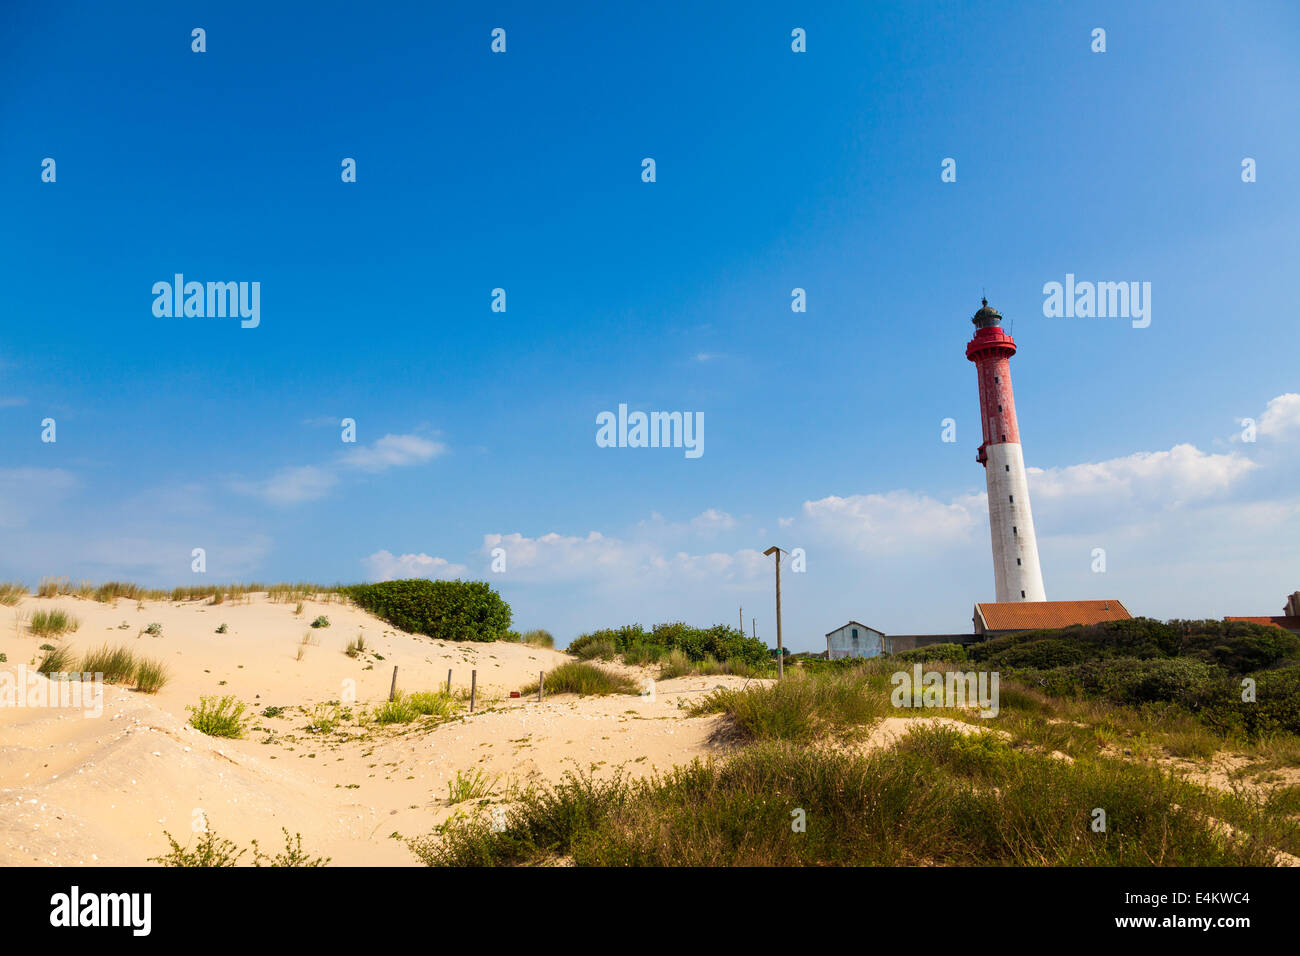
(222, 629)
(4, 658)
(57, 661)
(321, 621)
(273, 712)
(155, 629)
(52, 623)
(396, 711)
(580, 677)
(218, 717)
(212, 850)
(324, 718)
(470, 786)
(118, 665)
(431, 703)
(298, 609)
(356, 646)
(150, 676)
(11, 592)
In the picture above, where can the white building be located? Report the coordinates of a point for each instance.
(854, 640)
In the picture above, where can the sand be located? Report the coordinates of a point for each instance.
(89, 790)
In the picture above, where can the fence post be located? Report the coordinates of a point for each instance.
(541, 681)
(392, 690)
(448, 680)
(473, 687)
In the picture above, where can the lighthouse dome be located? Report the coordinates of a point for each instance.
(986, 316)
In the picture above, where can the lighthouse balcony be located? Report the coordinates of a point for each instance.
(982, 456)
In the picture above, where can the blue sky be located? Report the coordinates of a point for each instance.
(775, 170)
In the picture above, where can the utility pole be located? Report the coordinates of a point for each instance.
(742, 620)
(780, 651)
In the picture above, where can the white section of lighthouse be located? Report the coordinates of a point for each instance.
(1016, 571)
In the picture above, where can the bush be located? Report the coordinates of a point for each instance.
(215, 717)
(940, 653)
(721, 642)
(11, 592)
(580, 677)
(448, 610)
(321, 621)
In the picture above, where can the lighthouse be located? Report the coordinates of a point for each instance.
(1015, 549)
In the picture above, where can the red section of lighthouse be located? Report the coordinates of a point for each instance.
(1016, 571)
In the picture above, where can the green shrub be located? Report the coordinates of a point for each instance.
(431, 703)
(212, 850)
(721, 642)
(581, 677)
(396, 711)
(218, 717)
(941, 653)
(321, 621)
(448, 610)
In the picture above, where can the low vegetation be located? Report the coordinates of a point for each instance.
(218, 717)
(447, 610)
(636, 645)
(52, 622)
(584, 678)
(212, 850)
(11, 592)
(940, 797)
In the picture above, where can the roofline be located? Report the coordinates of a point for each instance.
(859, 624)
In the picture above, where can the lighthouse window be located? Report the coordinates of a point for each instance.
(1011, 498)
(1017, 562)
(1013, 529)
(999, 408)
(1004, 437)
(1022, 593)
(1007, 467)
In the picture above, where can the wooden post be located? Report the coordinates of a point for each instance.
(742, 620)
(473, 687)
(392, 690)
(541, 680)
(449, 681)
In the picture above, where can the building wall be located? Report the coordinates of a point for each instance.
(841, 643)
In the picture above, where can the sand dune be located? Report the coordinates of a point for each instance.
(92, 790)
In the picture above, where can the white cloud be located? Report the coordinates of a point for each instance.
(897, 521)
(1281, 416)
(290, 486)
(712, 520)
(385, 566)
(1184, 473)
(393, 451)
(294, 485)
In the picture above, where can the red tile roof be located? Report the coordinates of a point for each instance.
(1033, 615)
(1286, 623)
